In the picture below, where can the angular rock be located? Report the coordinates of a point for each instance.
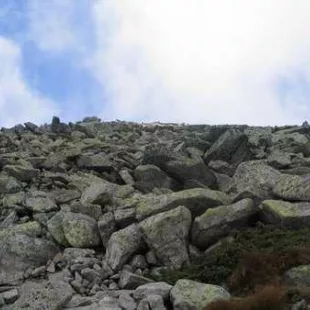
(89, 209)
(188, 294)
(150, 176)
(9, 185)
(122, 245)
(125, 301)
(38, 295)
(217, 222)
(293, 188)
(254, 179)
(107, 227)
(167, 235)
(286, 214)
(222, 167)
(130, 281)
(81, 231)
(55, 228)
(20, 252)
(279, 160)
(197, 200)
(227, 146)
(157, 288)
(23, 174)
(38, 201)
(298, 276)
(98, 162)
(104, 192)
(124, 217)
(190, 169)
(152, 302)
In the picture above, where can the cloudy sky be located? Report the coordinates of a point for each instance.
(198, 61)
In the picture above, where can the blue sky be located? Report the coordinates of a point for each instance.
(200, 61)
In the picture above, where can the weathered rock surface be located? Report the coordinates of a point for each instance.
(188, 294)
(217, 222)
(89, 210)
(167, 235)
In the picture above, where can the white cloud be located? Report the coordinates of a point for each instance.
(52, 25)
(202, 60)
(19, 103)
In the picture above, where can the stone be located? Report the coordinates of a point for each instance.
(293, 188)
(196, 200)
(286, 214)
(217, 222)
(188, 294)
(107, 227)
(254, 179)
(226, 146)
(166, 234)
(130, 281)
(156, 288)
(122, 245)
(80, 230)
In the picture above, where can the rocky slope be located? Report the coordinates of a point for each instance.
(88, 210)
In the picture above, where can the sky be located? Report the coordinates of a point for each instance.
(198, 61)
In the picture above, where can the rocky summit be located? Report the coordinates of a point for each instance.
(89, 211)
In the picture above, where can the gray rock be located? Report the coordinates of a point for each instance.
(122, 245)
(217, 222)
(293, 187)
(55, 228)
(196, 200)
(89, 209)
(226, 147)
(131, 281)
(9, 185)
(38, 201)
(166, 234)
(157, 288)
(19, 252)
(23, 174)
(10, 296)
(106, 226)
(80, 230)
(125, 301)
(149, 177)
(125, 217)
(153, 302)
(254, 179)
(191, 295)
(190, 169)
(298, 276)
(286, 214)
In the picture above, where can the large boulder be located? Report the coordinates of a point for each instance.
(122, 245)
(187, 171)
(196, 200)
(229, 147)
(217, 222)
(293, 187)
(150, 176)
(21, 249)
(80, 230)
(254, 179)
(167, 235)
(192, 295)
(286, 214)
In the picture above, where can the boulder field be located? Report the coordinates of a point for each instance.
(89, 210)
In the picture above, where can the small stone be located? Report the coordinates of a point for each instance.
(11, 296)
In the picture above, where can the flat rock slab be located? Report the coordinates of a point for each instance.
(293, 187)
(288, 214)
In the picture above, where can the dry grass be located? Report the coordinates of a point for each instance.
(261, 268)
